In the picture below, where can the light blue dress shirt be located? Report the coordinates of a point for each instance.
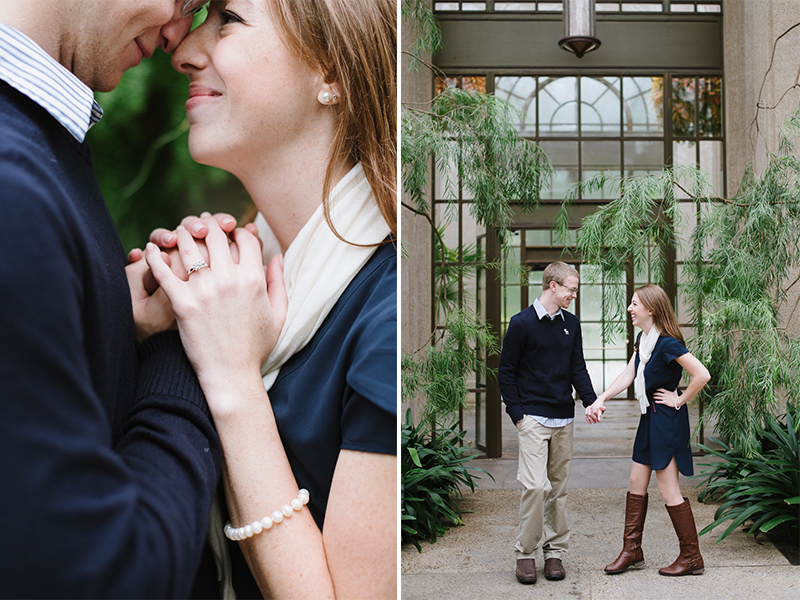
(31, 71)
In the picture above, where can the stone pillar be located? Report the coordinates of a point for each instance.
(416, 267)
(751, 29)
(761, 70)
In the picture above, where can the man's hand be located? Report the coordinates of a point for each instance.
(594, 412)
(152, 311)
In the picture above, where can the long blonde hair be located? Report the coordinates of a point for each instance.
(655, 300)
(353, 43)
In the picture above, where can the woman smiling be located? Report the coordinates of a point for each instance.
(297, 99)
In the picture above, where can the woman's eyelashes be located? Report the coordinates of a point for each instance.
(226, 17)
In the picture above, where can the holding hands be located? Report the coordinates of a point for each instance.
(594, 412)
(229, 308)
(152, 311)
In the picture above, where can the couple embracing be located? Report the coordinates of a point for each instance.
(541, 362)
(130, 393)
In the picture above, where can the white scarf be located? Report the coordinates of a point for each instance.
(318, 266)
(647, 341)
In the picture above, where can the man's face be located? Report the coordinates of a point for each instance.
(108, 37)
(564, 291)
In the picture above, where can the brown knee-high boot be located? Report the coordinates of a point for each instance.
(689, 562)
(631, 555)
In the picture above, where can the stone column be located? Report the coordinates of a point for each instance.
(416, 267)
(761, 70)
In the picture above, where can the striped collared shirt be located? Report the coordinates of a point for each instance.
(541, 311)
(31, 71)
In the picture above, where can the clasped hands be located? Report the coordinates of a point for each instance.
(240, 293)
(152, 311)
(594, 412)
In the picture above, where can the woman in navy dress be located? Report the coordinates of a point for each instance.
(662, 439)
(299, 366)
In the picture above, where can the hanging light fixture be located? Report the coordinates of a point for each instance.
(579, 20)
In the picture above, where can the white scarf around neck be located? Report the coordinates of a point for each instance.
(647, 342)
(318, 266)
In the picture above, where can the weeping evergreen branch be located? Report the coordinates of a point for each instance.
(743, 255)
(440, 374)
(419, 16)
(473, 139)
(450, 273)
(635, 230)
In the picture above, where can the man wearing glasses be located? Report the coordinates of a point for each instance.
(108, 455)
(541, 361)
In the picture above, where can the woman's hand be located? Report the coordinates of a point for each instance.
(594, 412)
(667, 397)
(229, 314)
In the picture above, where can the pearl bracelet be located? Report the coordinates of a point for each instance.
(238, 534)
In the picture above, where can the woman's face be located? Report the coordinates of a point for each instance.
(640, 315)
(250, 97)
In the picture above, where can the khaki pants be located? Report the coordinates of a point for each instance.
(545, 458)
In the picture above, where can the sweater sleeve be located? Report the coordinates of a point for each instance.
(579, 375)
(85, 516)
(507, 372)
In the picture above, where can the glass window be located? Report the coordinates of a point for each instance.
(709, 107)
(600, 106)
(600, 158)
(642, 106)
(521, 92)
(643, 157)
(515, 6)
(712, 163)
(683, 106)
(537, 237)
(564, 156)
(558, 106)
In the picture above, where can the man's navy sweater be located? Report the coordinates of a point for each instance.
(108, 460)
(541, 361)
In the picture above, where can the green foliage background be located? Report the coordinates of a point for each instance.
(142, 160)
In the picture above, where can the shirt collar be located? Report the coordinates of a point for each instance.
(541, 311)
(33, 72)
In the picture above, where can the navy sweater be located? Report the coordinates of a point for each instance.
(541, 361)
(108, 460)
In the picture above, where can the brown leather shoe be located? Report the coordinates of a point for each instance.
(526, 570)
(553, 569)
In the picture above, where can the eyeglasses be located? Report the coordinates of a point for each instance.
(573, 290)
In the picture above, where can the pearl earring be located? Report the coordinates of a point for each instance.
(327, 97)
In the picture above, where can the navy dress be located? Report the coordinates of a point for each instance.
(338, 393)
(663, 431)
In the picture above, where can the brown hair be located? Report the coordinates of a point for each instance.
(353, 43)
(655, 300)
(557, 271)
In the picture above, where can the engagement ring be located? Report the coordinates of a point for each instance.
(196, 267)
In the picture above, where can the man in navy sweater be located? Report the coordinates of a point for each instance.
(108, 455)
(541, 361)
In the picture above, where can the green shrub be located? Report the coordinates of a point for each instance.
(433, 467)
(763, 488)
